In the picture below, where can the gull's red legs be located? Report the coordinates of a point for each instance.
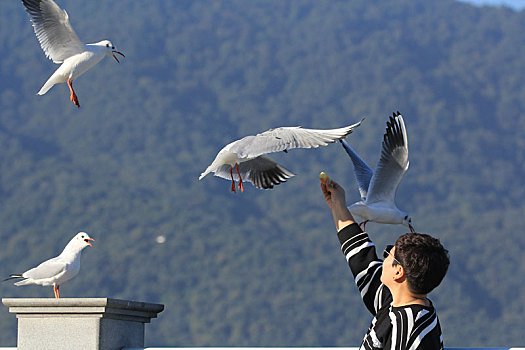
(241, 187)
(233, 181)
(56, 290)
(73, 96)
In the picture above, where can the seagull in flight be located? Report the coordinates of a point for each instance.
(378, 188)
(247, 154)
(57, 270)
(62, 45)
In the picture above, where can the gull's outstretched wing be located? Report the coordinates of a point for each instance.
(284, 138)
(53, 30)
(392, 165)
(363, 173)
(261, 171)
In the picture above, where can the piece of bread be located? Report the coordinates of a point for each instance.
(324, 178)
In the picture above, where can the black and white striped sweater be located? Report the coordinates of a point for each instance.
(408, 327)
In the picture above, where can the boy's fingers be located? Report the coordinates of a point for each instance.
(325, 190)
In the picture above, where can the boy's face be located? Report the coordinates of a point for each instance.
(388, 274)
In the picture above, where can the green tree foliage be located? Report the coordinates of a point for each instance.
(263, 268)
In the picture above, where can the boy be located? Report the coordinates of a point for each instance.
(394, 290)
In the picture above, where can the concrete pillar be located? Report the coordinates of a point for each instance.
(80, 323)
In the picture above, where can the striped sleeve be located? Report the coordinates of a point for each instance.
(366, 268)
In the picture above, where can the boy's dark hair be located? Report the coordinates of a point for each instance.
(424, 260)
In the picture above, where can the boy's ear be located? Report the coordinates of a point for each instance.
(399, 274)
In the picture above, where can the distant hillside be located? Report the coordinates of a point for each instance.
(263, 268)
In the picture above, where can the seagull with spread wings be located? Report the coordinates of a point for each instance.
(62, 45)
(378, 188)
(246, 155)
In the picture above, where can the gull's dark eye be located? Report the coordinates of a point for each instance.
(406, 217)
(107, 45)
(113, 47)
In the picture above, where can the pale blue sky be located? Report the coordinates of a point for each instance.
(516, 4)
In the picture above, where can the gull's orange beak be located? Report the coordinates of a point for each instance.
(87, 240)
(411, 228)
(115, 57)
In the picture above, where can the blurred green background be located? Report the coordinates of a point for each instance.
(263, 268)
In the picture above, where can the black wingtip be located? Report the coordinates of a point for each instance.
(268, 179)
(12, 277)
(393, 136)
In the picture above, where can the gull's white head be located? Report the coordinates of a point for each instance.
(109, 49)
(81, 241)
(77, 244)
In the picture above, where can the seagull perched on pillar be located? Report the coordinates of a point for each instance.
(57, 270)
(62, 45)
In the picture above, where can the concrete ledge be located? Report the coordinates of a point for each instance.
(84, 307)
(81, 323)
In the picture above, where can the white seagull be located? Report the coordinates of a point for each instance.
(247, 154)
(57, 270)
(378, 189)
(62, 45)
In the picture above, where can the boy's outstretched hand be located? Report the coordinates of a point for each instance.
(334, 195)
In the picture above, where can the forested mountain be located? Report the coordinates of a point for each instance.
(263, 268)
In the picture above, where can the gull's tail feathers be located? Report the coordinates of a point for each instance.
(57, 78)
(47, 86)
